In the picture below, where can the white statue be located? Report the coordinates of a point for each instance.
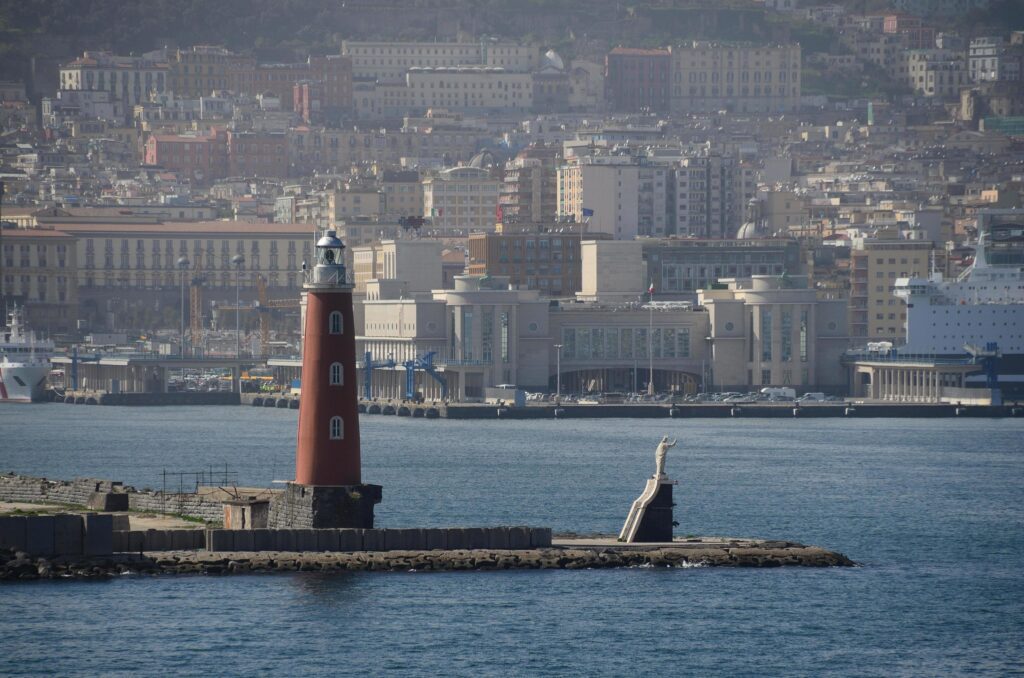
(660, 454)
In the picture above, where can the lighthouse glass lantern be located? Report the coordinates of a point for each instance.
(330, 260)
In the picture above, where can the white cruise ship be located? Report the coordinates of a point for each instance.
(984, 305)
(24, 361)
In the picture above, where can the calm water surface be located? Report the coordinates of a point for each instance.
(933, 510)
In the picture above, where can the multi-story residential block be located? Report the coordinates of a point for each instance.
(333, 73)
(875, 314)
(545, 258)
(257, 154)
(469, 89)
(40, 272)
(990, 59)
(774, 331)
(529, 191)
(403, 193)
(200, 70)
(936, 73)
(881, 49)
(709, 77)
(130, 78)
(201, 157)
(388, 62)
(622, 195)
(918, 35)
(709, 192)
(637, 80)
(461, 200)
(354, 200)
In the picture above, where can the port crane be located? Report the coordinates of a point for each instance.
(265, 307)
(424, 363)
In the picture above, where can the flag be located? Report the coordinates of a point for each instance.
(587, 212)
(650, 289)
(499, 213)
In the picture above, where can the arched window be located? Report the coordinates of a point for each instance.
(334, 324)
(337, 375)
(337, 429)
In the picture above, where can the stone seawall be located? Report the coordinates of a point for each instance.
(21, 566)
(80, 491)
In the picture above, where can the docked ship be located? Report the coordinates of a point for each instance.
(24, 361)
(981, 307)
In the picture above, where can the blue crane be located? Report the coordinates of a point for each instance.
(425, 363)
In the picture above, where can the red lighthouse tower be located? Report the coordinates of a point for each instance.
(328, 489)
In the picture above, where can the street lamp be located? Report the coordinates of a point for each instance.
(558, 373)
(237, 261)
(183, 264)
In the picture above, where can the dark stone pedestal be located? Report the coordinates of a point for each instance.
(650, 517)
(324, 506)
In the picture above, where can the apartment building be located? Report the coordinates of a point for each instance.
(538, 257)
(461, 200)
(707, 77)
(875, 314)
(201, 157)
(403, 193)
(130, 78)
(990, 59)
(621, 195)
(708, 195)
(935, 73)
(637, 80)
(469, 89)
(415, 265)
(529, 190)
(201, 69)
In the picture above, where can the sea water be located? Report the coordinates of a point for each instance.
(931, 509)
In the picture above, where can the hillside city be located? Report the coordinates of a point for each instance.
(581, 217)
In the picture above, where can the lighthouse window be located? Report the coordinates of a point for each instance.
(337, 429)
(334, 322)
(337, 376)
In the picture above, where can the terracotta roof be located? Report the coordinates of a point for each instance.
(206, 227)
(636, 51)
(34, 233)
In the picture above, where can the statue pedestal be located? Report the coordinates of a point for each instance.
(650, 517)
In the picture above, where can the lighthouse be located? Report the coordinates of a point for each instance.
(328, 491)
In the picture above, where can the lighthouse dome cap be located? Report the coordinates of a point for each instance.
(330, 239)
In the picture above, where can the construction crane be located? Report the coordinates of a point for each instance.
(195, 299)
(267, 306)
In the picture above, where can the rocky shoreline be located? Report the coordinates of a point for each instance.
(22, 566)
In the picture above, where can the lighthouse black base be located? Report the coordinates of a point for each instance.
(325, 506)
(650, 516)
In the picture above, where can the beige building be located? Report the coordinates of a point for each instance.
(767, 331)
(481, 334)
(414, 264)
(354, 201)
(145, 256)
(131, 78)
(389, 61)
(461, 199)
(627, 195)
(470, 89)
(939, 73)
(707, 77)
(403, 193)
(40, 271)
(875, 314)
